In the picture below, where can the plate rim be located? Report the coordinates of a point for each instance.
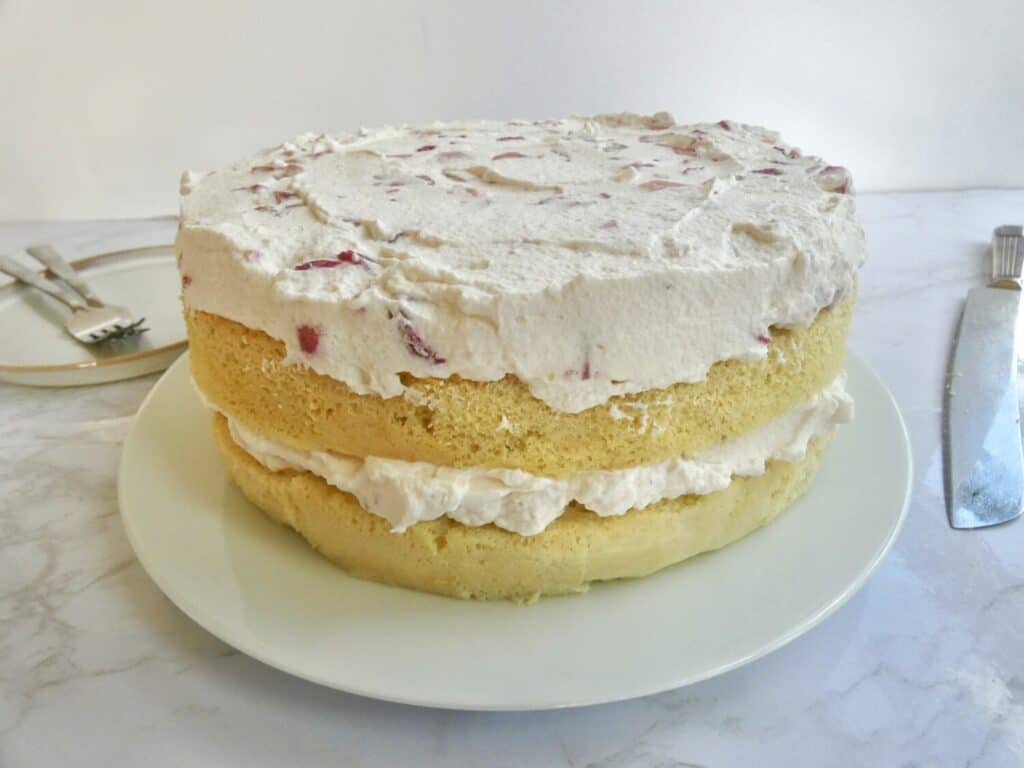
(89, 261)
(214, 627)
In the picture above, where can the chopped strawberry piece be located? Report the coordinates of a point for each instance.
(342, 259)
(835, 178)
(309, 339)
(414, 342)
(318, 264)
(351, 257)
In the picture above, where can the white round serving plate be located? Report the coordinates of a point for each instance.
(259, 587)
(36, 350)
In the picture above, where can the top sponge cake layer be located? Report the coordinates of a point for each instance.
(585, 258)
(461, 423)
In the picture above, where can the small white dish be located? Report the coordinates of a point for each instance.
(260, 588)
(35, 349)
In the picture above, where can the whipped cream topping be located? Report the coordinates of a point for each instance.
(405, 493)
(589, 257)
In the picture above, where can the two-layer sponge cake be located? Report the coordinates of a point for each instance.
(507, 359)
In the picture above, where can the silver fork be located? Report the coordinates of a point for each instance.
(91, 320)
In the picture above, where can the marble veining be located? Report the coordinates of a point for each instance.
(924, 667)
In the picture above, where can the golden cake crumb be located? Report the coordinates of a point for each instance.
(457, 422)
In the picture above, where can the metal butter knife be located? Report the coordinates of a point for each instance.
(983, 441)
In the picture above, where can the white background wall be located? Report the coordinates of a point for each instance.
(105, 102)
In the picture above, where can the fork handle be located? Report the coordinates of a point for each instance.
(53, 261)
(36, 280)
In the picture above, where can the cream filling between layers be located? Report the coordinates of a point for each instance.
(405, 493)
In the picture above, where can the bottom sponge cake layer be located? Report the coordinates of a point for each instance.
(486, 562)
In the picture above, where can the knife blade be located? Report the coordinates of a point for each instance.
(983, 439)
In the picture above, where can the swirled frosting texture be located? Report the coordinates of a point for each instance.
(589, 257)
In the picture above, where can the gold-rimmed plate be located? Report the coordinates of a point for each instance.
(35, 349)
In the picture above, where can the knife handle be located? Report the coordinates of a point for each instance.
(1007, 256)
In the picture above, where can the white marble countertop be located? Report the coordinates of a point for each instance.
(924, 667)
